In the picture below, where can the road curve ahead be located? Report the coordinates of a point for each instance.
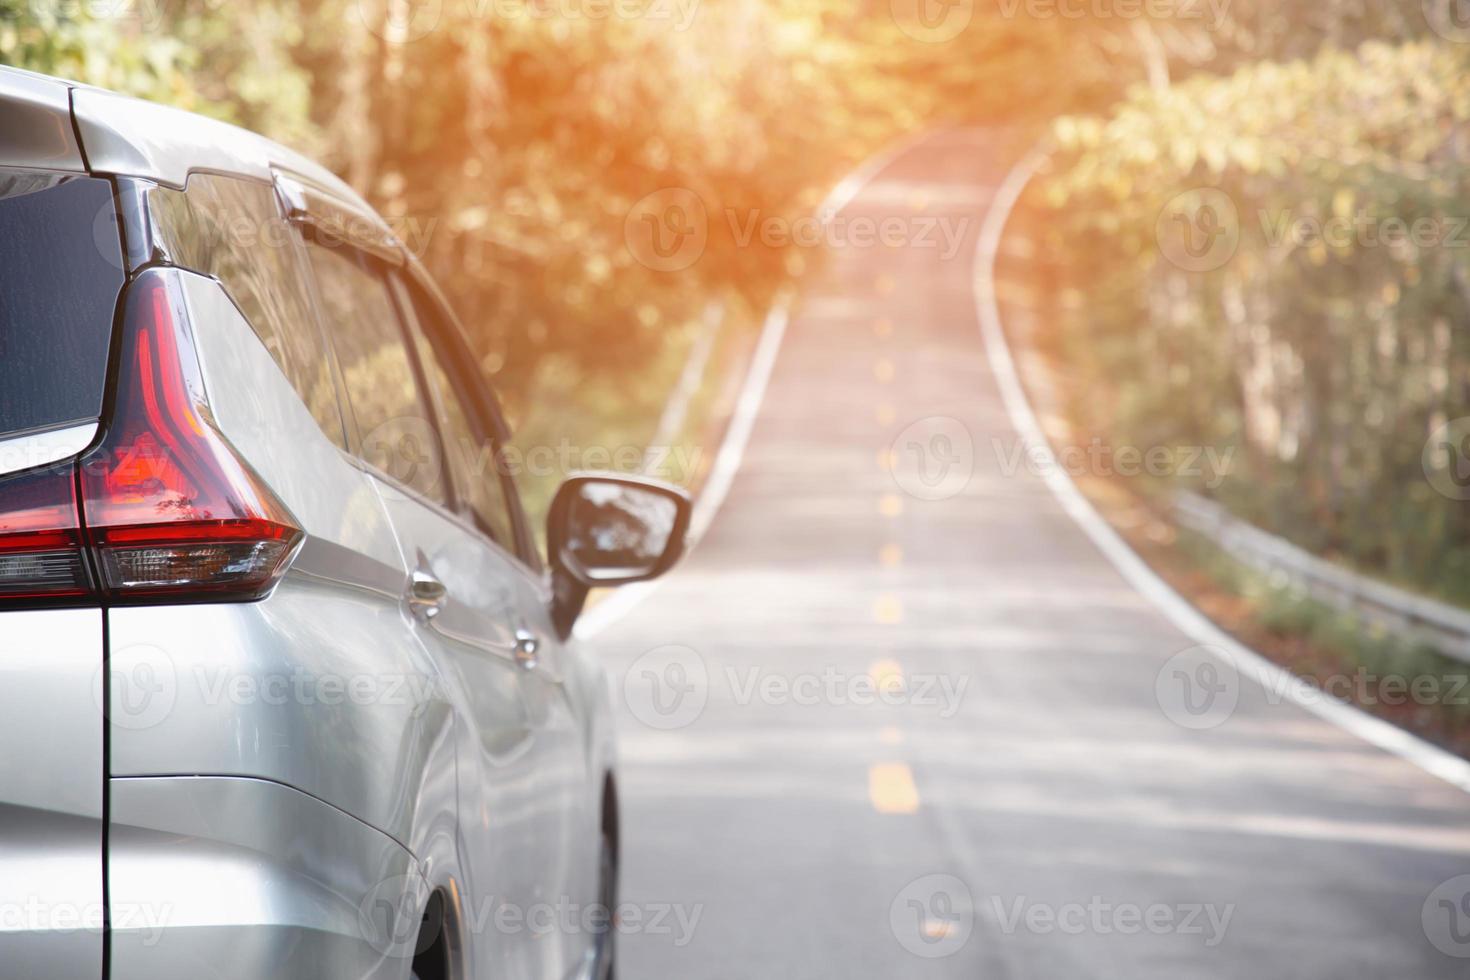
(867, 733)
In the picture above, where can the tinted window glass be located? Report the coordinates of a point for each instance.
(60, 274)
(393, 421)
(470, 453)
(233, 230)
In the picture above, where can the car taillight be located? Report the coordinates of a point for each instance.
(41, 537)
(168, 510)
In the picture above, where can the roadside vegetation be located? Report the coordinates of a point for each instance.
(1267, 259)
(1249, 237)
(509, 141)
(1317, 329)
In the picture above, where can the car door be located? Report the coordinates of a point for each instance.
(463, 595)
(487, 500)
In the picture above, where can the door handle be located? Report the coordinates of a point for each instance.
(426, 595)
(528, 648)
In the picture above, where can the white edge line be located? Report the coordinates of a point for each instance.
(1178, 610)
(747, 408)
(722, 473)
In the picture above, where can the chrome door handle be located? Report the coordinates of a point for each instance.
(426, 595)
(528, 647)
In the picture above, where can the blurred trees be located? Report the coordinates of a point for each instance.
(510, 140)
(1324, 336)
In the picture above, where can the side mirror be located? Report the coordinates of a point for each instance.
(608, 529)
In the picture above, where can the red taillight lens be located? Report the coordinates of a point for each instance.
(170, 507)
(40, 537)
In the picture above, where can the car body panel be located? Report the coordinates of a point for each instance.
(264, 418)
(130, 137)
(247, 878)
(322, 687)
(513, 749)
(39, 448)
(35, 123)
(51, 778)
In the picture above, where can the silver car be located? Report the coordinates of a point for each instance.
(286, 688)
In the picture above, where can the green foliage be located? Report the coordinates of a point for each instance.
(1327, 348)
(510, 140)
(226, 60)
(1340, 643)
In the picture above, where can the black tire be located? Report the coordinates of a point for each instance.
(607, 896)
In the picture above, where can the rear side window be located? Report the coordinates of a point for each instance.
(60, 274)
(393, 420)
(233, 230)
(469, 451)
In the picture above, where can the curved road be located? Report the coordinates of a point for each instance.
(1032, 801)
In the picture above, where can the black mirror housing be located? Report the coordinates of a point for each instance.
(609, 529)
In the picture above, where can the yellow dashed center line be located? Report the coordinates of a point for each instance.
(887, 459)
(882, 327)
(890, 505)
(890, 735)
(884, 413)
(891, 555)
(891, 788)
(886, 675)
(888, 610)
(883, 370)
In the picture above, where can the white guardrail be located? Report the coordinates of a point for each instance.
(1444, 627)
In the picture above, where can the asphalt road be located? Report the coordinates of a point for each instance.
(1035, 802)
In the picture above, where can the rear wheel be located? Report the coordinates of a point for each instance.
(607, 897)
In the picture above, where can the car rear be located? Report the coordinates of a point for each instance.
(170, 449)
(61, 273)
